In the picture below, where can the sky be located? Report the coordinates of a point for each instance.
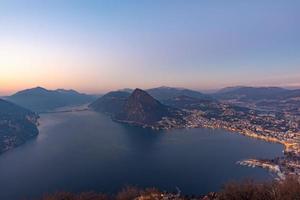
(96, 46)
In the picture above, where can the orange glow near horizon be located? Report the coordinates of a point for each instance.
(26, 65)
(95, 47)
(23, 66)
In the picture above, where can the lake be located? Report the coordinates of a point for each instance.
(84, 151)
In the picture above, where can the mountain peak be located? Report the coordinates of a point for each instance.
(140, 96)
(142, 108)
(35, 90)
(38, 88)
(139, 92)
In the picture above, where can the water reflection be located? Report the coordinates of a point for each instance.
(88, 151)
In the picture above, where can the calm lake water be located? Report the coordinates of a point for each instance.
(86, 151)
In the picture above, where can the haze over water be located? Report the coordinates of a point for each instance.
(84, 151)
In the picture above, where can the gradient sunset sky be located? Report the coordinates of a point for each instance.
(96, 46)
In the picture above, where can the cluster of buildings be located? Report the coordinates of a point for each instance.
(272, 127)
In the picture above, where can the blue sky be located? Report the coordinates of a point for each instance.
(96, 46)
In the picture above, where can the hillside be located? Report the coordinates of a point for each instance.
(17, 125)
(190, 103)
(110, 103)
(262, 98)
(253, 93)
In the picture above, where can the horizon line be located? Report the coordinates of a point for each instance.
(289, 87)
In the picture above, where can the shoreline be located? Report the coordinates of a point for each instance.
(281, 166)
(289, 147)
(264, 165)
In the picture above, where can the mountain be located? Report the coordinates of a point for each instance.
(129, 90)
(40, 99)
(17, 125)
(190, 103)
(111, 103)
(142, 109)
(164, 93)
(228, 89)
(272, 99)
(253, 93)
(293, 94)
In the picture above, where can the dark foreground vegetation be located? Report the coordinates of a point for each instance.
(288, 189)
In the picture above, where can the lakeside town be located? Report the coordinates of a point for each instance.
(271, 127)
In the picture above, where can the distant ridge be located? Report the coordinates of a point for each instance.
(112, 103)
(254, 93)
(129, 90)
(39, 99)
(190, 103)
(164, 93)
(177, 111)
(229, 89)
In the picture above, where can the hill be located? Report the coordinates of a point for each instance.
(164, 93)
(142, 108)
(16, 125)
(253, 93)
(190, 103)
(40, 99)
(274, 99)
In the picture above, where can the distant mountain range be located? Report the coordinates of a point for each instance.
(165, 93)
(188, 99)
(113, 101)
(262, 98)
(190, 103)
(162, 107)
(256, 93)
(17, 125)
(245, 93)
(40, 99)
(152, 105)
